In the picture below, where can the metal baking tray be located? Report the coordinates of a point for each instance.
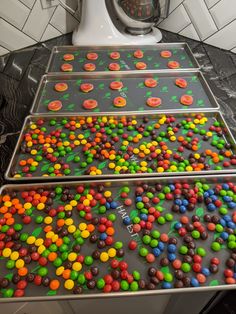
(134, 91)
(180, 53)
(78, 172)
(123, 233)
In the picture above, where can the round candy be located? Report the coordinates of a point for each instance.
(92, 56)
(68, 57)
(180, 82)
(55, 105)
(116, 85)
(150, 82)
(140, 66)
(61, 87)
(119, 102)
(115, 55)
(66, 67)
(89, 67)
(186, 100)
(114, 67)
(154, 102)
(86, 87)
(89, 104)
(138, 54)
(173, 65)
(166, 54)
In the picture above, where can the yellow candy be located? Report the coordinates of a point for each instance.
(82, 226)
(125, 143)
(142, 147)
(173, 168)
(77, 143)
(27, 205)
(143, 169)
(149, 145)
(7, 204)
(93, 173)
(73, 203)
(71, 228)
(72, 256)
(57, 166)
(107, 193)
(60, 270)
(98, 171)
(146, 151)
(77, 266)
(197, 156)
(29, 144)
(39, 242)
(40, 206)
(112, 157)
(6, 252)
(160, 169)
(48, 220)
(33, 152)
(50, 150)
(143, 163)
(111, 165)
(139, 136)
(85, 234)
(33, 126)
(86, 202)
(31, 240)
(104, 257)
(111, 252)
(172, 138)
(20, 263)
(209, 134)
(196, 121)
(41, 249)
(89, 120)
(68, 207)
(14, 256)
(54, 238)
(69, 221)
(189, 168)
(118, 168)
(49, 234)
(136, 151)
(80, 136)
(83, 142)
(134, 122)
(154, 143)
(35, 163)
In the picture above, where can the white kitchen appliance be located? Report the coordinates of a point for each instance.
(119, 22)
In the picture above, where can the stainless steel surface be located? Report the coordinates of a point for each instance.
(35, 110)
(209, 179)
(137, 16)
(209, 114)
(158, 47)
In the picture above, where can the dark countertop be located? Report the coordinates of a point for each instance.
(20, 73)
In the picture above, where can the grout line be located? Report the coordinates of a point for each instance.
(184, 27)
(171, 13)
(48, 23)
(200, 38)
(176, 8)
(214, 5)
(24, 5)
(211, 15)
(20, 31)
(220, 30)
(28, 15)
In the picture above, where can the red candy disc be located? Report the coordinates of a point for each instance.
(61, 87)
(92, 56)
(173, 65)
(119, 102)
(141, 65)
(115, 55)
(150, 82)
(166, 54)
(86, 87)
(55, 105)
(90, 104)
(154, 102)
(138, 54)
(116, 85)
(66, 67)
(182, 83)
(114, 67)
(89, 67)
(186, 100)
(68, 57)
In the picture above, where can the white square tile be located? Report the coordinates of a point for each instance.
(63, 20)
(200, 18)
(234, 50)
(174, 4)
(28, 3)
(225, 38)
(12, 38)
(224, 12)
(37, 21)
(14, 12)
(190, 32)
(210, 3)
(49, 33)
(3, 51)
(176, 21)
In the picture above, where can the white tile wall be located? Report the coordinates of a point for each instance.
(211, 21)
(25, 22)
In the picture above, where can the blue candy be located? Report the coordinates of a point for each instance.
(223, 222)
(224, 235)
(225, 186)
(182, 209)
(161, 246)
(171, 248)
(103, 236)
(227, 218)
(127, 221)
(139, 199)
(108, 205)
(143, 217)
(232, 205)
(113, 205)
(227, 198)
(178, 202)
(166, 285)
(206, 271)
(172, 187)
(178, 225)
(211, 207)
(231, 225)
(194, 282)
(156, 252)
(171, 257)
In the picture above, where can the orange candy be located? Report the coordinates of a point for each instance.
(54, 284)
(23, 271)
(66, 273)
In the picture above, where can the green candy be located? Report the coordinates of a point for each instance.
(136, 275)
(112, 217)
(88, 260)
(43, 271)
(10, 264)
(146, 239)
(118, 245)
(100, 283)
(183, 250)
(124, 285)
(154, 243)
(168, 217)
(18, 227)
(134, 286)
(219, 228)
(215, 246)
(143, 252)
(168, 277)
(73, 275)
(23, 237)
(81, 279)
(201, 251)
(8, 293)
(186, 267)
(161, 220)
(39, 219)
(195, 234)
(155, 234)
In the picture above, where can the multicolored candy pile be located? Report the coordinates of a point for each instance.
(103, 237)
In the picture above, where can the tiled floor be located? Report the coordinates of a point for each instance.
(20, 73)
